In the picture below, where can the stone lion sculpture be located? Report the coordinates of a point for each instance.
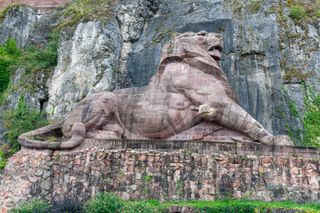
(188, 89)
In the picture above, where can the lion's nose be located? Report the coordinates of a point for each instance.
(202, 33)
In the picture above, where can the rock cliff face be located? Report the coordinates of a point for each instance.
(86, 63)
(260, 48)
(18, 23)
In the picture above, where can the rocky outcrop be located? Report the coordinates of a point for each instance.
(18, 23)
(86, 64)
(163, 170)
(262, 46)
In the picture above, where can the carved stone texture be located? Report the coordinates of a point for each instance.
(189, 98)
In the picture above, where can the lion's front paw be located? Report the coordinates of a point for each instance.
(279, 140)
(207, 112)
(282, 140)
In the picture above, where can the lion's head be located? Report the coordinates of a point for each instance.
(190, 44)
(201, 50)
(194, 47)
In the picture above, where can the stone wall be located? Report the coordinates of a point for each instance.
(163, 170)
(41, 5)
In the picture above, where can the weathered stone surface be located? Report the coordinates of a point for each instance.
(33, 99)
(17, 24)
(164, 170)
(260, 47)
(85, 65)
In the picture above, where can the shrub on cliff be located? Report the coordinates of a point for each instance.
(77, 11)
(9, 54)
(38, 59)
(311, 120)
(20, 120)
(297, 13)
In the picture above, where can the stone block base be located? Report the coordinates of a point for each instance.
(163, 170)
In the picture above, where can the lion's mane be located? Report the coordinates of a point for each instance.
(180, 50)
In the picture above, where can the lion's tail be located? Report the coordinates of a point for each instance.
(78, 133)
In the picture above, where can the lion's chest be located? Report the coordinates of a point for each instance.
(157, 113)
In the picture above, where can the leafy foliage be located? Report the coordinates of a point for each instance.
(311, 120)
(229, 205)
(84, 10)
(108, 202)
(139, 207)
(297, 13)
(9, 54)
(66, 206)
(33, 60)
(104, 203)
(38, 59)
(3, 160)
(20, 120)
(301, 11)
(33, 206)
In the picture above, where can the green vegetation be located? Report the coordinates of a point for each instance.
(292, 74)
(255, 5)
(109, 203)
(4, 11)
(297, 13)
(311, 119)
(301, 11)
(38, 206)
(104, 203)
(33, 60)
(146, 181)
(84, 10)
(18, 121)
(36, 59)
(9, 55)
(245, 206)
(3, 159)
(293, 108)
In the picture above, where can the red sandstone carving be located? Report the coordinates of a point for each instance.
(34, 3)
(188, 98)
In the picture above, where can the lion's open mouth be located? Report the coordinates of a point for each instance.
(215, 52)
(217, 58)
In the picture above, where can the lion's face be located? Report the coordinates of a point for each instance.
(201, 50)
(203, 45)
(208, 42)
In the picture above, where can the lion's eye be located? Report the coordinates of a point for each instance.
(202, 33)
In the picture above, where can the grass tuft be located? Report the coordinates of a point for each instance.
(84, 10)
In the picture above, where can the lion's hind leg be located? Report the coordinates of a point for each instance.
(96, 112)
(101, 117)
